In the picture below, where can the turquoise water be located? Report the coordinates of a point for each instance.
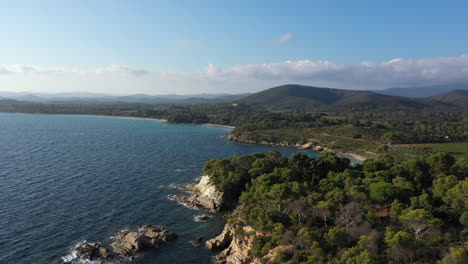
(65, 179)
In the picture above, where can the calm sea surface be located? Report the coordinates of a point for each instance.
(65, 179)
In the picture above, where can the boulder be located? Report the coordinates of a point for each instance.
(307, 145)
(318, 148)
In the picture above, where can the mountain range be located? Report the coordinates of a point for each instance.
(87, 98)
(286, 97)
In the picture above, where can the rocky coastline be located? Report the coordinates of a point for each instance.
(310, 145)
(203, 196)
(125, 245)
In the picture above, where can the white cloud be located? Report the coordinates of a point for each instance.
(110, 69)
(239, 78)
(284, 38)
(116, 68)
(393, 72)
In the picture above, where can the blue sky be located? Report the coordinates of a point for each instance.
(217, 46)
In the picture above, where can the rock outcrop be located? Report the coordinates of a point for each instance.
(126, 244)
(310, 144)
(236, 248)
(223, 240)
(203, 195)
(89, 251)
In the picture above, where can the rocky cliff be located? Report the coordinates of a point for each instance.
(203, 195)
(236, 247)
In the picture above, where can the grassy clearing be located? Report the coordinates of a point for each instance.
(458, 149)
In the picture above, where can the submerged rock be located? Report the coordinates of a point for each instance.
(196, 242)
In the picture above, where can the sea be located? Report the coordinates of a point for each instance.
(65, 179)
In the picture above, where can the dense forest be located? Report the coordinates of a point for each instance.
(326, 210)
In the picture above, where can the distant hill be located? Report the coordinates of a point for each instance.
(90, 98)
(423, 92)
(309, 98)
(456, 98)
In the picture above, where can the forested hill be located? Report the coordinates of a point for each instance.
(311, 99)
(456, 98)
(423, 91)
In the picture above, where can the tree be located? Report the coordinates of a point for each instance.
(440, 163)
(457, 196)
(336, 237)
(300, 207)
(391, 137)
(464, 219)
(382, 192)
(350, 214)
(322, 209)
(357, 255)
(455, 256)
(460, 169)
(442, 184)
(400, 245)
(418, 221)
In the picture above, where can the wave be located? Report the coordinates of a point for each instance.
(202, 218)
(72, 257)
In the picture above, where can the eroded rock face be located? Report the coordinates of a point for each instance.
(202, 195)
(223, 240)
(128, 243)
(236, 249)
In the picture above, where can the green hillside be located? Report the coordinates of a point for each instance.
(456, 98)
(308, 98)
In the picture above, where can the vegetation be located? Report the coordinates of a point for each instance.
(324, 210)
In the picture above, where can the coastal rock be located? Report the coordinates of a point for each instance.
(318, 148)
(223, 240)
(202, 195)
(125, 245)
(128, 243)
(196, 242)
(89, 251)
(307, 145)
(235, 248)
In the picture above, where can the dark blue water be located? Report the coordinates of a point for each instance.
(65, 179)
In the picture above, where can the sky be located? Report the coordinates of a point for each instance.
(188, 47)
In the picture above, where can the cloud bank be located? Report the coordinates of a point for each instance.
(388, 73)
(364, 75)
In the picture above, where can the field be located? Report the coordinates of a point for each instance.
(458, 149)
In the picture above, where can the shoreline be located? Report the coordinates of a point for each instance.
(352, 156)
(161, 120)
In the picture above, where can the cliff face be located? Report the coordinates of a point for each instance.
(203, 195)
(236, 249)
